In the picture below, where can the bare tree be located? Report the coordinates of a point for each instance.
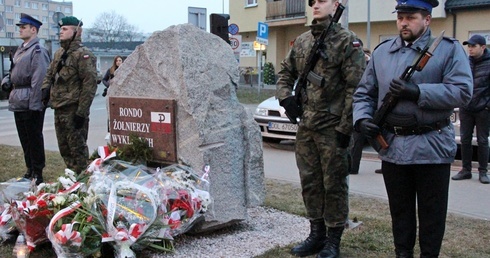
(112, 27)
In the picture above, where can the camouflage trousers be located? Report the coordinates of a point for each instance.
(323, 171)
(71, 142)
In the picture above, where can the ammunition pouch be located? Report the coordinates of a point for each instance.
(316, 79)
(7, 86)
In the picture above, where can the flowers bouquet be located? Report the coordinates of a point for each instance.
(184, 197)
(74, 233)
(122, 203)
(32, 214)
(11, 190)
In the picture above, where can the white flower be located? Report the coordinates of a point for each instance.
(71, 174)
(59, 200)
(66, 182)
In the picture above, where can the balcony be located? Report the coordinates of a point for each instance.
(279, 11)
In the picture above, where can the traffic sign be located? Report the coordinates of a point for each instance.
(234, 43)
(233, 29)
(263, 33)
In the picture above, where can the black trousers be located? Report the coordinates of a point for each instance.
(30, 129)
(423, 188)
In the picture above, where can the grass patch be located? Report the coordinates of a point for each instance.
(249, 95)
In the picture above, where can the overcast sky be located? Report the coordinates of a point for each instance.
(147, 15)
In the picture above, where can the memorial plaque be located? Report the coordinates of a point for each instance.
(151, 119)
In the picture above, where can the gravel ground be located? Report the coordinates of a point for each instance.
(265, 229)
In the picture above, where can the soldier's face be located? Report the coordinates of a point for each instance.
(26, 32)
(323, 8)
(412, 25)
(66, 32)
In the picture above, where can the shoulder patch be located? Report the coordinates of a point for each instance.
(37, 48)
(356, 43)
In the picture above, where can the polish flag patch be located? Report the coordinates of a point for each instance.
(161, 122)
(86, 56)
(356, 44)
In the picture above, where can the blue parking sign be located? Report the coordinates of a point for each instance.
(263, 33)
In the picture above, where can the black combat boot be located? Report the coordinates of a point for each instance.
(315, 241)
(484, 178)
(404, 254)
(332, 247)
(38, 176)
(28, 174)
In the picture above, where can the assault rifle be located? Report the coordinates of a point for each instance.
(300, 96)
(390, 101)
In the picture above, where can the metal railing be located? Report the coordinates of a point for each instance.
(285, 9)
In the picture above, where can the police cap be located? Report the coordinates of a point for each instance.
(411, 6)
(70, 20)
(27, 19)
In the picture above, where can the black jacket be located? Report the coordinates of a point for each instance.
(480, 67)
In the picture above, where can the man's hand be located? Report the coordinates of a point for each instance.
(342, 140)
(368, 128)
(78, 121)
(45, 96)
(291, 107)
(405, 90)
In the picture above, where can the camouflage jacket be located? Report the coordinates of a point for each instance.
(76, 83)
(341, 66)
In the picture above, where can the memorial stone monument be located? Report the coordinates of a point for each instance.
(199, 71)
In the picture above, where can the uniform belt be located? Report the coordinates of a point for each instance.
(21, 86)
(417, 130)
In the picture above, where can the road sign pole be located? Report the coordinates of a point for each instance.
(259, 71)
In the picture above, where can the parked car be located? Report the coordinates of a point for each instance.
(274, 124)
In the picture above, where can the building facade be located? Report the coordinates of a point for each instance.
(372, 20)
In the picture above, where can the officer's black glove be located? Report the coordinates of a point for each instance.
(104, 93)
(78, 121)
(368, 128)
(45, 96)
(342, 140)
(406, 90)
(293, 111)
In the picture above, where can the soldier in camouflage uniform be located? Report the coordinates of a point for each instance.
(325, 127)
(28, 69)
(70, 86)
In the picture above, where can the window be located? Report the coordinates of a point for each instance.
(45, 19)
(9, 21)
(45, 7)
(67, 10)
(17, 3)
(58, 8)
(27, 5)
(2, 2)
(9, 9)
(17, 16)
(34, 6)
(45, 31)
(250, 3)
(10, 34)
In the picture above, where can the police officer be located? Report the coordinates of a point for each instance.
(416, 165)
(27, 73)
(325, 126)
(70, 86)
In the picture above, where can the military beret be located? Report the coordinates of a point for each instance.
(415, 5)
(70, 20)
(27, 19)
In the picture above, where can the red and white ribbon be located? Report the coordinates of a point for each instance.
(66, 234)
